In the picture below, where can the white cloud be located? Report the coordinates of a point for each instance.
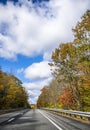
(30, 30)
(47, 56)
(35, 87)
(40, 74)
(38, 71)
(38, 84)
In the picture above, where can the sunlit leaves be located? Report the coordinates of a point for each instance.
(12, 94)
(67, 99)
(71, 62)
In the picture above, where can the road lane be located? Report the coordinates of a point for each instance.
(10, 116)
(67, 123)
(42, 120)
(51, 120)
(32, 120)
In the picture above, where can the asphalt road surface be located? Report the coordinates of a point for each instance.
(41, 120)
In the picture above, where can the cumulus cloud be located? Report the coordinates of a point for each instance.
(40, 75)
(34, 88)
(32, 30)
(37, 85)
(38, 71)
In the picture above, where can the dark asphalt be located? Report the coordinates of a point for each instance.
(42, 120)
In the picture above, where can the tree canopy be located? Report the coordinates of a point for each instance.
(71, 62)
(12, 94)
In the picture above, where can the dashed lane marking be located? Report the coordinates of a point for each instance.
(11, 119)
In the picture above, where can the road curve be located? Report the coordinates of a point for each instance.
(41, 120)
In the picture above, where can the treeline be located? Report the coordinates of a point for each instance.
(12, 94)
(70, 88)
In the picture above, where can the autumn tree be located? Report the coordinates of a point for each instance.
(50, 95)
(70, 88)
(72, 62)
(43, 100)
(12, 94)
(67, 99)
(82, 44)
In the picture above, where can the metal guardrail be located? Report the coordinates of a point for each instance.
(79, 115)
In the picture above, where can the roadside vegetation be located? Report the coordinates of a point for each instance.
(70, 87)
(12, 94)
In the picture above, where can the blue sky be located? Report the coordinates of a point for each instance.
(15, 1)
(30, 31)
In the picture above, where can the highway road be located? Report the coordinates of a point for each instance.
(36, 119)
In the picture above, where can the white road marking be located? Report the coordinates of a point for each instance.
(11, 119)
(51, 121)
(25, 117)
